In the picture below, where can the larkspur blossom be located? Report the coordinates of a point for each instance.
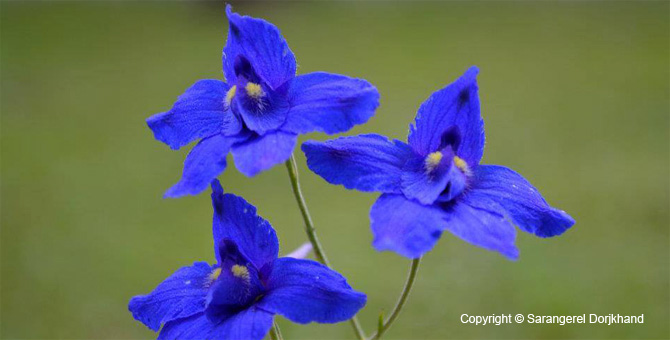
(435, 183)
(259, 111)
(238, 296)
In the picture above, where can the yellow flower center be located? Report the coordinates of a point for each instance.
(214, 274)
(462, 165)
(432, 161)
(230, 95)
(254, 90)
(241, 272)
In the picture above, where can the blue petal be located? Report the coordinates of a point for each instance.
(500, 189)
(181, 295)
(455, 105)
(249, 324)
(260, 153)
(366, 162)
(237, 220)
(198, 113)
(206, 161)
(405, 226)
(329, 103)
(305, 291)
(481, 227)
(262, 45)
(425, 182)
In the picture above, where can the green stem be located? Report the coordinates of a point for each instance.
(275, 333)
(401, 301)
(311, 231)
(309, 225)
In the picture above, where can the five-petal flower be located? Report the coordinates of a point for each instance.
(237, 297)
(259, 112)
(435, 182)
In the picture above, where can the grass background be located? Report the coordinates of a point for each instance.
(575, 97)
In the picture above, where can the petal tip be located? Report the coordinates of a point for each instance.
(385, 244)
(469, 77)
(134, 307)
(567, 218)
(248, 171)
(512, 254)
(309, 144)
(161, 130)
(172, 193)
(558, 222)
(229, 10)
(216, 187)
(179, 190)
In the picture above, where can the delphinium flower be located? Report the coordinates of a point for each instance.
(434, 182)
(258, 112)
(237, 297)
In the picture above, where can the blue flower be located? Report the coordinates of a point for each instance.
(238, 296)
(259, 112)
(435, 183)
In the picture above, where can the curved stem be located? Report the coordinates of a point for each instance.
(401, 301)
(311, 231)
(309, 225)
(275, 333)
(358, 329)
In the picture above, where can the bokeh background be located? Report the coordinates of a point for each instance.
(575, 97)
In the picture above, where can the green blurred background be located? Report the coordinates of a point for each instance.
(575, 97)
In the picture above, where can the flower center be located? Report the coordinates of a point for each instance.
(240, 272)
(254, 90)
(462, 165)
(432, 161)
(230, 95)
(214, 274)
